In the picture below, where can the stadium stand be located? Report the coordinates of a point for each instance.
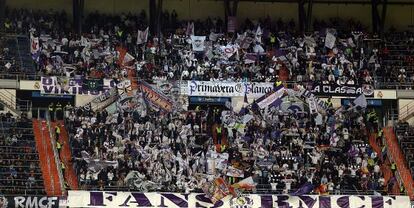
(405, 134)
(20, 173)
(147, 140)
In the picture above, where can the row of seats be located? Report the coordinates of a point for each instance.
(20, 172)
(405, 135)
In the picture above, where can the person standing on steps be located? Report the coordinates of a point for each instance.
(52, 111)
(57, 132)
(59, 111)
(58, 146)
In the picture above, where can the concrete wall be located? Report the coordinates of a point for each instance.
(397, 15)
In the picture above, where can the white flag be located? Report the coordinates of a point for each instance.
(190, 29)
(198, 42)
(128, 58)
(142, 36)
(244, 41)
(330, 40)
(312, 105)
(259, 31)
(34, 44)
(361, 101)
(96, 165)
(213, 36)
(229, 50)
(258, 49)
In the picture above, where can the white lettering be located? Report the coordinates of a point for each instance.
(18, 201)
(51, 201)
(31, 202)
(326, 89)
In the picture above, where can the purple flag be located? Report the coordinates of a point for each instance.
(304, 189)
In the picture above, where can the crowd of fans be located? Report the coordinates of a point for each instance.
(149, 150)
(276, 50)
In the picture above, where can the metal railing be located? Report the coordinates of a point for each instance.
(406, 111)
(55, 152)
(13, 103)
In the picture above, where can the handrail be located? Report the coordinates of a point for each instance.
(394, 152)
(14, 103)
(55, 153)
(406, 110)
(48, 159)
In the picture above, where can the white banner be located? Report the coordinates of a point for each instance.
(115, 199)
(51, 85)
(198, 42)
(228, 89)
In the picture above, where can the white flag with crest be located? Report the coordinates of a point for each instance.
(229, 50)
(198, 42)
(142, 36)
(190, 29)
(127, 59)
(34, 44)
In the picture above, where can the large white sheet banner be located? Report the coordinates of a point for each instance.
(115, 199)
(228, 89)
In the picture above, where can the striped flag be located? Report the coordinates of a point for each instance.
(273, 99)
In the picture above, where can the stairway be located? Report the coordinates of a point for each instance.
(397, 156)
(66, 156)
(48, 164)
(385, 167)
